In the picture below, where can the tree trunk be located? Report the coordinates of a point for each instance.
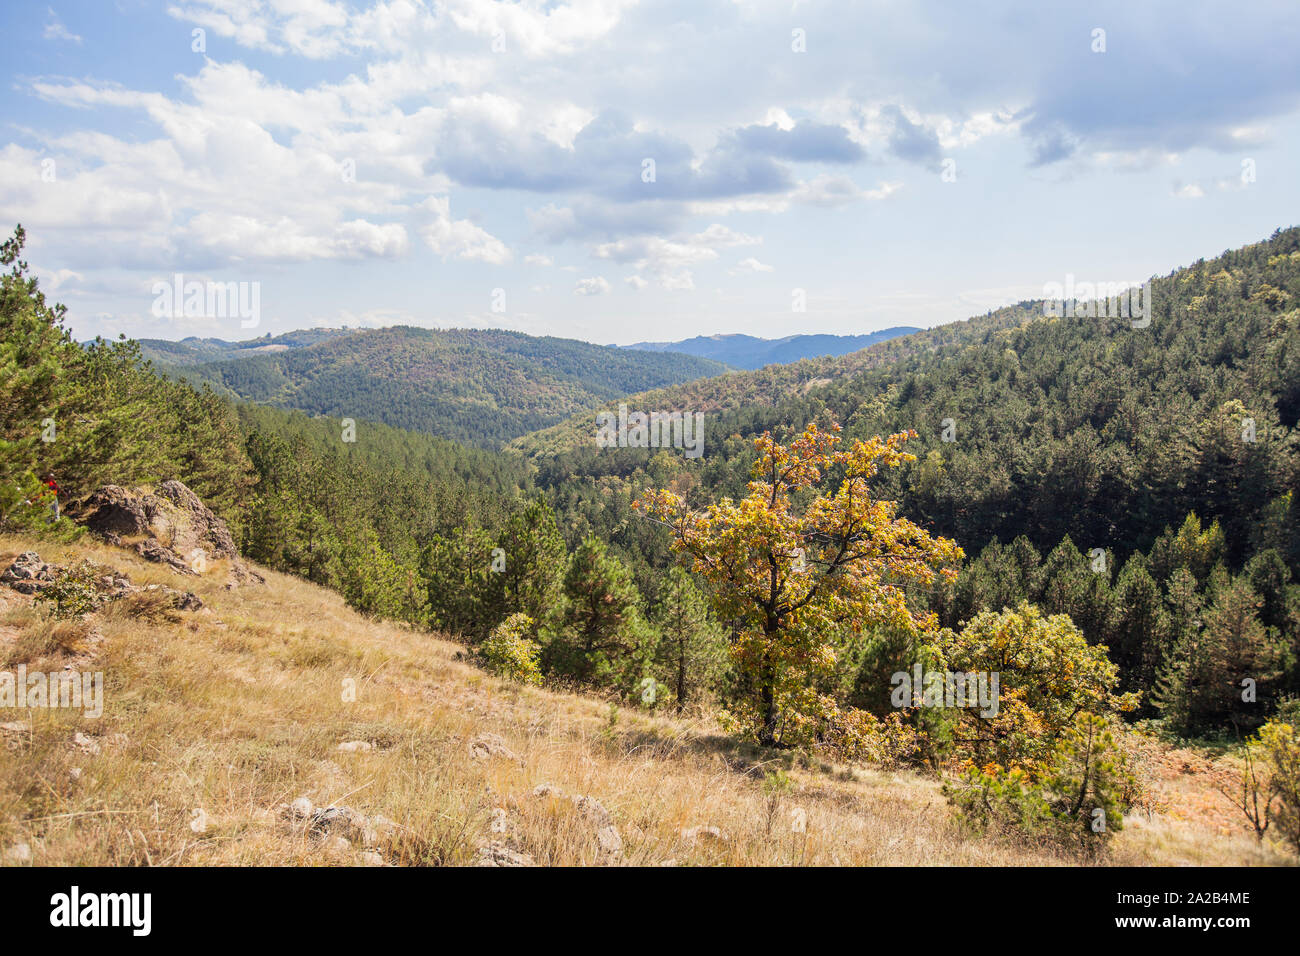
(767, 733)
(767, 690)
(681, 674)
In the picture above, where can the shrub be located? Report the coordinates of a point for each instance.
(999, 799)
(857, 736)
(1078, 802)
(153, 607)
(74, 592)
(509, 652)
(776, 784)
(1279, 745)
(1091, 783)
(49, 637)
(1048, 674)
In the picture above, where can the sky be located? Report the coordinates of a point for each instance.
(620, 171)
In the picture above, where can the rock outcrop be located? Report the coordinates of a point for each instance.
(29, 574)
(171, 527)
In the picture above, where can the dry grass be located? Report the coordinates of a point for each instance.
(240, 708)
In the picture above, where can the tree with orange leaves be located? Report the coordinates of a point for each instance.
(796, 567)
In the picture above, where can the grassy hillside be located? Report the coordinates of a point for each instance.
(217, 720)
(222, 722)
(481, 387)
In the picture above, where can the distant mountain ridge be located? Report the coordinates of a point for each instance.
(194, 350)
(750, 352)
(481, 387)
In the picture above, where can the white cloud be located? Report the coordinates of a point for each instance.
(322, 29)
(840, 191)
(55, 30)
(537, 31)
(596, 285)
(59, 280)
(243, 237)
(310, 28)
(225, 165)
(667, 260)
(827, 190)
(718, 235)
(460, 238)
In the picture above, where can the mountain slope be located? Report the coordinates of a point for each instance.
(482, 387)
(1047, 428)
(215, 723)
(744, 393)
(1080, 426)
(749, 352)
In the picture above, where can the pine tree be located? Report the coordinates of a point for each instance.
(34, 355)
(602, 629)
(692, 647)
(1139, 628)
(532, 553)
(1201, 690)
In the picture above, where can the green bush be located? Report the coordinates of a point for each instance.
(1000, 800)
(74, 592)
(1279, 744)
(1078, 802)
(509, 651)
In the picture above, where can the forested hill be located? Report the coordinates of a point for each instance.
(1084, 427)
(1140, 480)
(747, 351)
(773, 386)
(482, 387)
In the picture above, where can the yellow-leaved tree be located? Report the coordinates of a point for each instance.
(805, 558)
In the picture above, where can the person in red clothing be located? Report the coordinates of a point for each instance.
(54, 489)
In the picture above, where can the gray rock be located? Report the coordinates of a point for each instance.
(497, 853)
(693, 835)
(593, 810)
(112, 510)
(174, 523)
(610, 843)
(490, 745)
(300, 809)
(28, 573)
(18, 854)
(339, 821)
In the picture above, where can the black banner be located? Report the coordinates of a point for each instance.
(332, 905)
